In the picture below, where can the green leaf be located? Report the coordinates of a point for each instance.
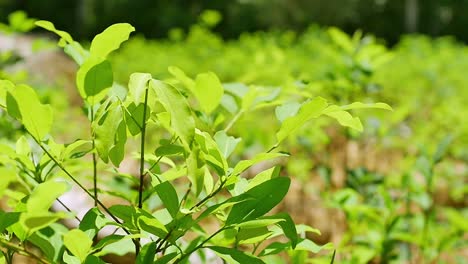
(260, 200)
(287, 110)
(152, 225)
(264, 176)
(44, 195)
(208, 91)
(23, 103)
(195, 170)
(182, 121)
(168, 150)
(245, 164)
(7, 176)
(117, 152)
(137, 86)
(92, 222)
(7, 219)
(253, 235)
(256, 223)
(78, 243)
(182, 77)
(213, 155)
(237, 255)
(34, 221)
(94, 76)
(359, 105)
(166, 258)
(343, 117)
(49, 240)
(226, 143)
(50, 27)
(309, 110)
(147, 254)
(110, 39)
(106, 129)
(134, 118)
(287, 225)
(168, 196)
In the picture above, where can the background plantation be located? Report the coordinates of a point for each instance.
(230, 127)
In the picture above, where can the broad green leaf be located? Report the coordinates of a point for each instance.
(182, 77)
(245, 164)
(50, 241)
(208, 91)
(23, 103)
(106, 130)
(359, 105)
(134, 118)
(239, 256)
(152, 226)
(166, 258)
(5, 86)
(7, 176)
(264, 176)
(260, 200)
(92, 222)
(168, 150)
(7, 219)
(195, 170)
(126, 213)
(34, 221)
(253, 235)
(343, 117)
(117, 152)
(182, 121)
(310, 246)
(93, 77)
(77, 149)
(213, 155)
(309, 110)
(50, 27)
(168, 196)
(78, 243)
(287, 225)
(44, 195)
(256, 223)
(137, 85)
(226, 143)
(110, 39)
(147, 254)
(287, 110)
(107, 241)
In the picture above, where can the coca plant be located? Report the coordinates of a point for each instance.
(190, 196)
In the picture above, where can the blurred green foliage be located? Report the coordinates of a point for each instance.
(384, 18)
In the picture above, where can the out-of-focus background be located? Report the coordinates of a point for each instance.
(384, 18)
(396, 193)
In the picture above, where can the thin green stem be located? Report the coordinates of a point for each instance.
(183, 256)
(22, 251)
(78, 183)
(93, 137)
(233, 121)
(211, 195)
(142, 166)
(142, 153)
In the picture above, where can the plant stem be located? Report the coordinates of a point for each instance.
(22, 251)
(142, 166)
(233, 121)
(78, 183)
(94, 157)
(209, 196)
(183, 256)
(142, 153)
